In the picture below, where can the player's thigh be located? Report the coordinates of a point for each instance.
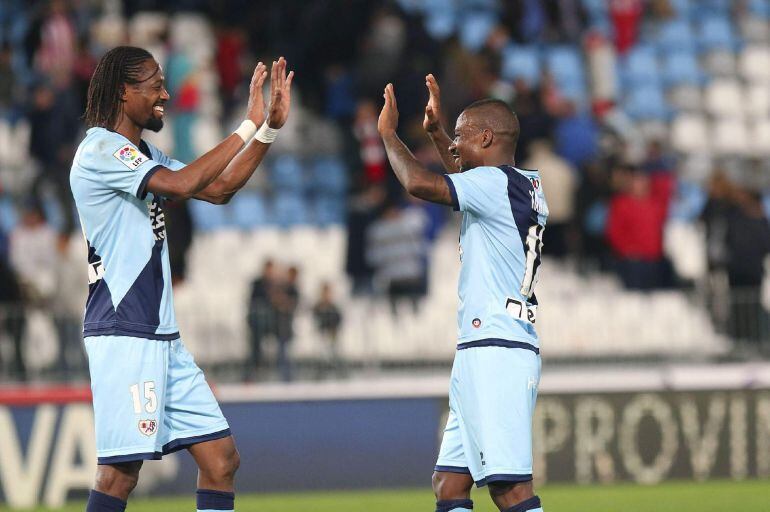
(192, 412)
(128, 387)
(495, 396)
(448, 485)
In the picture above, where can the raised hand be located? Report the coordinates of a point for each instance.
(432, 121)
(255, 111)
(388, 121)
(280, 94)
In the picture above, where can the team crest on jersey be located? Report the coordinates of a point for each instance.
(129, 156)
(476, 323)
(535, 183)
(148, 427)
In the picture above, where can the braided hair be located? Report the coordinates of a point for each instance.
(118, 67)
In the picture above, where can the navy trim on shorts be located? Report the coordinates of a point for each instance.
(452, 192)
(453, 469)
(116, 330)
(496, 342)
(131, 457)
(179, 444)
(141, 192)
(503, 478)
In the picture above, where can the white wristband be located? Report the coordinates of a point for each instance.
(246, 130)
(265, 134)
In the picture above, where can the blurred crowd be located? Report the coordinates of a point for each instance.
(613, 183)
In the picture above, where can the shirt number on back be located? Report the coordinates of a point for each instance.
(533, 247)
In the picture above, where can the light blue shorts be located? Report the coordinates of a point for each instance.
(150, 399)
(492, 396)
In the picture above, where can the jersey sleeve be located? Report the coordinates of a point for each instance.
(119, 165)
(165, 160)
(476, 191)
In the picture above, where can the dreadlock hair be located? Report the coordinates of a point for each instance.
(118, 67)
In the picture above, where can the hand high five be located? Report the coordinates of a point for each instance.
(432, 121)
(280, 94)
(388, 121)
(255, 111)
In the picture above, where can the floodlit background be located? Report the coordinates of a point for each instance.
(321, 301)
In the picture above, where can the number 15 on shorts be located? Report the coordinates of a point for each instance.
(150, 398)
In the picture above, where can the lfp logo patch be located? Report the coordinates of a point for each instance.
(129, 156)
(148, 427)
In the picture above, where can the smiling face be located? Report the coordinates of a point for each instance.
(467, 144)
(145, 101)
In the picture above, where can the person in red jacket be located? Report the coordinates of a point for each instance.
(635, 222)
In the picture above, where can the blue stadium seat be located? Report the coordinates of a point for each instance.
(329, 174)
(682, 8)
(328, 210)
(289, 209)
(521, 62)
(207, 216)
(8, 215)
(688, 202)
(475, 29)
(595, 7)
(716, 33)
(640, 67)
(576, 138)
(248, 209)
(760, 8)
(646, 103)
(714, 8)
(440, 25)
(287, 174)
(673, 35)
(565, 63)
(681, 68)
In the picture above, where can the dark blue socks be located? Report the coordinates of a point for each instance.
(454, 506)
(207, 500)
(532, 504)
(100, 502)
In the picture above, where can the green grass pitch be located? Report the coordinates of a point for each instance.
(716, 496)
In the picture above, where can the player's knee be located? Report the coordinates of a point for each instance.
(511, 491)
(447, 486)
(223, 468)
(117, 480)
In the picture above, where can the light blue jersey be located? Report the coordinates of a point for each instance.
(129, 276)
(156, 400)
(496, 371)
(504, 215)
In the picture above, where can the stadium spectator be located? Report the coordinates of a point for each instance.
(66, 306)
(635, 222)
(285, 299)
(363, 209)
(328, 319)
(738, 241)
(34, 256)
(13, 320)
(397, 250)
(261, 316)
(54, 126)
(626, 16)
(748, 244)
(370, 147)
(231, 46)
(559, 180)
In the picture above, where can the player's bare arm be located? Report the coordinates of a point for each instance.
(434, 128)
(415, 178)
(202, 172)
(245, 163)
